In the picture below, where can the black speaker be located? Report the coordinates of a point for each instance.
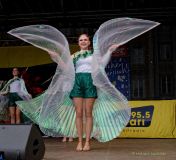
(21, 142)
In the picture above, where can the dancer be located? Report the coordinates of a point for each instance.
(81, 82)
(84, 92)
(16, 90)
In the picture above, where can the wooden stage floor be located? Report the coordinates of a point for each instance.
(117, 149)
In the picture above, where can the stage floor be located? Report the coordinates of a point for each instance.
(117, 149)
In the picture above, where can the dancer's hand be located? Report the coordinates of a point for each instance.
(3, 93)
(30, 96)
(53, 54)
(113, 47)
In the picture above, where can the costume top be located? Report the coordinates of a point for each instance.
(83, 61)
(15, 86)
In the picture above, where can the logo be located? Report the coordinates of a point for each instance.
(141, 116)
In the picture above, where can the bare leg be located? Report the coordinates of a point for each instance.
(18, 114)
(70, 139)
(64, 139)
(12, 114)
(78, 102)
(89, 102)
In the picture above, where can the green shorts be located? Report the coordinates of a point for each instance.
(83, 86)
(13, 97)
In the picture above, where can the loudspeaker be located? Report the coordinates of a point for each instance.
(21, 142)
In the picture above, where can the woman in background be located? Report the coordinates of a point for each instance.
(16, 90)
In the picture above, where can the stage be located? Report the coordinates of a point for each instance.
(117, 149)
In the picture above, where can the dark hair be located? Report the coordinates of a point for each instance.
(84, 34)
(19, 72)
(15, 68)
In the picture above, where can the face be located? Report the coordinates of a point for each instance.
(84, 42)
(15, 72)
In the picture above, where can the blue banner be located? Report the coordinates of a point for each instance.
(118, 73)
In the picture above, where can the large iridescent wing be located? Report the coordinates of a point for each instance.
(119, 31)
(111, 111)
(47, 109)
(3, 102)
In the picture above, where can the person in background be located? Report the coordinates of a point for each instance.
(16, 90)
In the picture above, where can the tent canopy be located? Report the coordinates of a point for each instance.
(25, 56)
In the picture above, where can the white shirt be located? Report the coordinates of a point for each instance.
(84, 65)
(15, 86)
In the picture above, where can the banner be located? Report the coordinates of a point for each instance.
(118, 71)
(151, 119)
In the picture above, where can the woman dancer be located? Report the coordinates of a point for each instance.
(16, 90)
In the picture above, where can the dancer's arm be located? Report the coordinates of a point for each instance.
(107, 56)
